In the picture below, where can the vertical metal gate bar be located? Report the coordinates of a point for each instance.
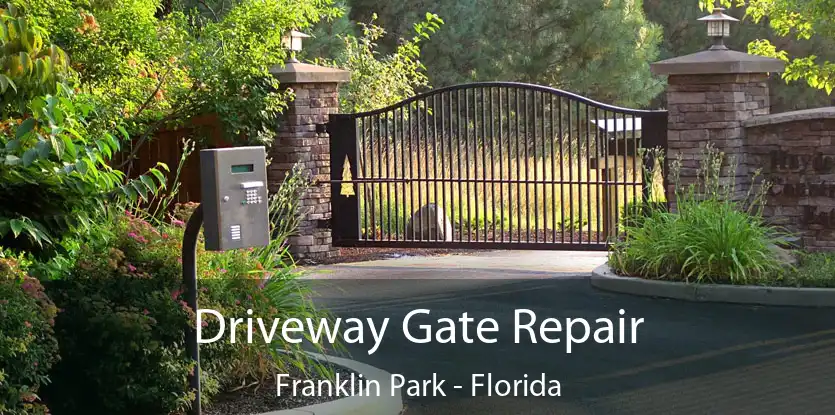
(384, 120)
(635, 164)
(378, 186)
(457, 159)
(372, 154)
(525, 163)
(615, 174)
(396, 175)
(460, 156)
(435, 166)
(414, 127)
(570, 162)
(406, 216)
(367, 172)
(501, 160)
(551, 139)
(448, 205)
(597, 194)
(561, 161)
(635, 159)
(467, 162)
(414, 138)
(474, 226)
(579, 176)
(535, 170)
(509, 171)
(607, 176)
(544, 168)
(425, 223)
(493, 199)
(625, 168)
(409, 119)
(483, 146)
(518, 173)
(372, 193)
(588, 173)
(442, 202)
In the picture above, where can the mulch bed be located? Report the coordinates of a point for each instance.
(346, 255)
(262, 398)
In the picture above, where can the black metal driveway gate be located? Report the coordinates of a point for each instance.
(491, 165)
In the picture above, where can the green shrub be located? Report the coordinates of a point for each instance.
(53, 147)
(122, 328)
(714, 235)
(28, 348)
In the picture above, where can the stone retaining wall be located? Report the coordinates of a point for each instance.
(796, 152)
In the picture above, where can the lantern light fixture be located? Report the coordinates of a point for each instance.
(718, 27)
(292, 41)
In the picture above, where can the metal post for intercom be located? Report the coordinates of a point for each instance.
(233, 183)
(189, 255)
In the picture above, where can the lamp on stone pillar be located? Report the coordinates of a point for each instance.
(300, 141)
(710, 96)
(718, 27)
(292, 41)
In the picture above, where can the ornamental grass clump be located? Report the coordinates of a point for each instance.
(715, 233)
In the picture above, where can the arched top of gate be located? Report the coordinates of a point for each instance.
(511, 85)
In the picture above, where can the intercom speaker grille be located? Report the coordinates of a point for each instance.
(236, 232)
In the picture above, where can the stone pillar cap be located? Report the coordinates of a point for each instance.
(717, 62)
(304, 73)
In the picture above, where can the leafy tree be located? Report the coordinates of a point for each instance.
(156, 63)
(684, 34)
(55, 177)
(27, 66)
(597, 48)
(377, 81)
(327, 39)
(798, 19)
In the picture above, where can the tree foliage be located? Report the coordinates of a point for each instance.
(597, 48)
(684, 34)
(27, 66)
(55, 176)
(378, 81)
(156, 63)
(798, 19)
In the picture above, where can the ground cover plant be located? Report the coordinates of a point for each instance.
(813, 269)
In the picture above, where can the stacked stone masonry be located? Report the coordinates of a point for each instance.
(711, 109)
(298, 142)
(796, 152)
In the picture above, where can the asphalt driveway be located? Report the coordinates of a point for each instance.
(690, 358)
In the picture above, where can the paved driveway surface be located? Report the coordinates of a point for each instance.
(691, 358)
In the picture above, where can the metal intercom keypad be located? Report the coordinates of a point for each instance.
(234, 197)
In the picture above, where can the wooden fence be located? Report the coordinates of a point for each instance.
(167, 147)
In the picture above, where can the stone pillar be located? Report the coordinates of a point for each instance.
(316, 97)
(709, 96)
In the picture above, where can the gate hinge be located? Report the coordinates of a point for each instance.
(321, 128)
